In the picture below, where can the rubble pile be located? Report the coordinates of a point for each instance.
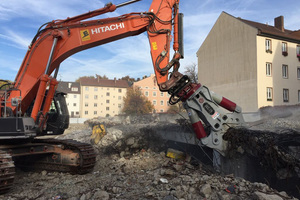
(132, 164)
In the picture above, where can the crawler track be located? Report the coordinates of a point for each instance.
(7, 172)
(82, 163)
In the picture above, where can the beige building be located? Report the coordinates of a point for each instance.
(155, 96)
(250, 63)
(101, 97)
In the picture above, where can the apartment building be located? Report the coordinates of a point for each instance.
(72, 90)
(251, 63)
(155, 96)
(100, 97)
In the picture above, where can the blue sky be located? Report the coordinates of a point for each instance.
(20, 19)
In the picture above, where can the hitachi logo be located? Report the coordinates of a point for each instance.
(104, 29)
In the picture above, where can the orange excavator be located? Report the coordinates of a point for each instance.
(31, 106)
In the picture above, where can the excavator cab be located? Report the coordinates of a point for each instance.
(58, 116)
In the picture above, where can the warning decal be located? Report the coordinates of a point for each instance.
(85, 35)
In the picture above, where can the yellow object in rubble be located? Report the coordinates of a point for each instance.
(178, 155)
(99, 131)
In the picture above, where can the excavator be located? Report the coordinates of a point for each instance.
(31, 107)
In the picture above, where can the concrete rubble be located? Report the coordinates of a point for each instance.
(132, 164)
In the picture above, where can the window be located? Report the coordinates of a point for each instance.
(298, 72)
(95, 96)
(161, 103)
(107, 108)
(146, 93)
(284, 71)
(154, 102)
(285, 95)
(95, 105)
(162, 110)
(107, 101)
(298, 51)
(119, 105)
(120, 90)
(284, 49)
(161, 94)
(86, 112)
(154, 94)
(74, 89)
(86, 104)
(75, 96)
(119, 97)
(74, 104)
(107, 94)
(269, 69)
(86, 96)
(77, 113)
(95, 89)
(269, 94)
(95, 112)
(86, 88)
(298, 96)
(268, 46)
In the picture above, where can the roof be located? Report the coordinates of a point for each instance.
(272, 31)
(104, 82)
(66, 87)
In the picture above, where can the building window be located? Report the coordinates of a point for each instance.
(74, 89)
(154, 102)
(77, 113)
(95, 112)
(119, 105)
(86, 112)
(107, 108)
(95, 89)
(119, 97)
(162, 110)
(120, 90)
(75, 96)
(269, 94)
(146, 93)
(298, 51)
(268, 46)
(95, 96)
(161, 94)
(285, 95)
(161, 103)
(95, 105)
(107, 94)
(154, 94)
(298, 96)
(298, 72)
(284, 71)
(269, 69)
(284, 49)
(74, 104)
(86, 96)
(86, 88)
(107, 101)
(86, 104)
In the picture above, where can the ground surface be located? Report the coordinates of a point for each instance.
(132, 164)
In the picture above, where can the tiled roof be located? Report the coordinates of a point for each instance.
(265, 29)
(66, 87)
(104, 82)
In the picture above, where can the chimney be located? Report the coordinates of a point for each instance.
(279, 23)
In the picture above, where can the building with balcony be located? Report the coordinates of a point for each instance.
(73, 96)
(101, 97)
(155, 96)
(251, 63)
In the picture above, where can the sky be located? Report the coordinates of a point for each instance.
(20, 20)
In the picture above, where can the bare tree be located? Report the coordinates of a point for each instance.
(192, 72)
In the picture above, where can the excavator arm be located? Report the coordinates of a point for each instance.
(60, 39)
